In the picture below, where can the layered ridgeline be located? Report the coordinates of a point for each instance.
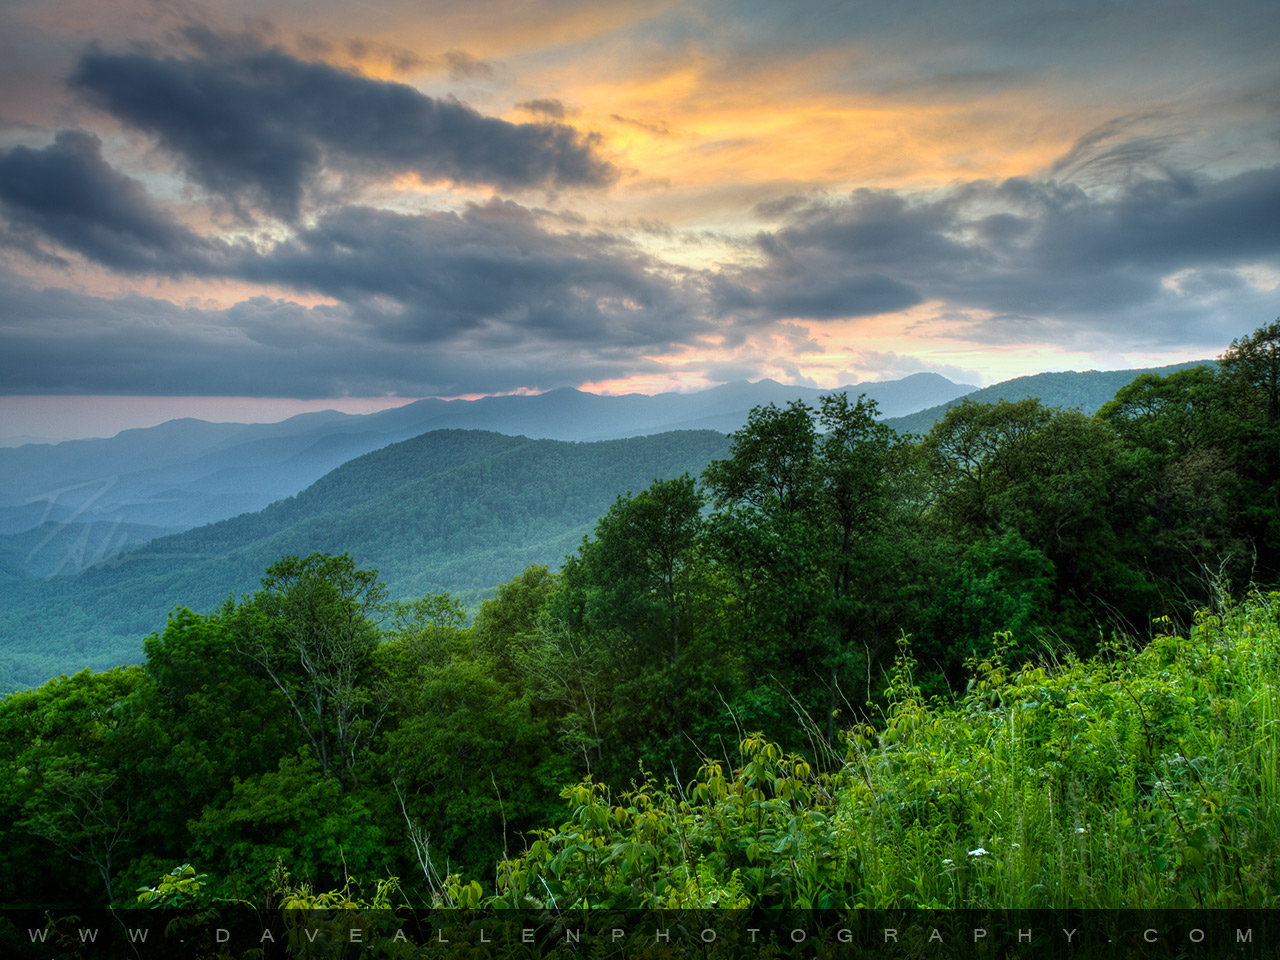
(93, 503)
(456, 511)
(67, 506)
(187, 472)
(1085, 391)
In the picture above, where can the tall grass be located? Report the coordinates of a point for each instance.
(1144, 777)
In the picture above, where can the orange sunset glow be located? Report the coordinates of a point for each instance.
(318, 203)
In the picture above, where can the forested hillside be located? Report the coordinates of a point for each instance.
(449, 510)
(1085, 390)
(1027, 660)
(188, 472)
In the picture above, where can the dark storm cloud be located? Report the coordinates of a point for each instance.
(1023, 248)
(60, 342)
(841, 259)
(70, 195)
(484, 300)
(259, 126)
(492, 272)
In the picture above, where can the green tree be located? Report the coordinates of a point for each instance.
(465, 759)
(507, 625)
(1250, 374)
(63, 777)
(206, 717)
(1179, 508)
(312, 629)
(1050, 477)
(642, 563)
(634, 600)
(296, 816)
(808, 531)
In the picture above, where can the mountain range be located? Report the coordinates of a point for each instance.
(187, 472)
(456, 511)
(1086, 392)
(104, 494)
(99, 539)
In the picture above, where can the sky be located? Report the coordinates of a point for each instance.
(242, 211)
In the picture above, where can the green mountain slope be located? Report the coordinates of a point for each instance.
(1087, 391)
(67, 547)
(457, 511)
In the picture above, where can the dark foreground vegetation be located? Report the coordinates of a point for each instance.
(994, 666)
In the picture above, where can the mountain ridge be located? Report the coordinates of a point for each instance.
(1086, 390)
(223, 469)
(448, 511)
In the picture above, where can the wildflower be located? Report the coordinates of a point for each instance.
(1079, 829)
(978, 853)
(947, 862)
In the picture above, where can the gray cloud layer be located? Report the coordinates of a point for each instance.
(491, 299)
(1021, 247)
(259, 126)
(67, 193)
(497, 296)
(60, 342)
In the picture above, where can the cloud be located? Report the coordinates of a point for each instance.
(546, 108)
(259, 126)
(487, 299)
(69, 193)
(498, 296)
(463, 66)
(1041, 250)
(1121, 144)
(491, 273)
(659, 129)
(60, 342)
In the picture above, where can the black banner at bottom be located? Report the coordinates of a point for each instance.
(237, 932)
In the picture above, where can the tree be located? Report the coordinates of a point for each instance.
(806, 502)
(643, 559)
(1251, 366)
(206, 717)
(863, 467)
(1050, 477)
(468, 761)
(311, 629)
(1250, 372)
(63, 779)
(1168, 415)
(771, 462)
(1180, 506)
(634, 593)
(507, 624)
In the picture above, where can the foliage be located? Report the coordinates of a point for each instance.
(452, 510)
(845, 668)
(1141, 777)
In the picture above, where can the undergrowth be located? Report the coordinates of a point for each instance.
(1144, 777)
